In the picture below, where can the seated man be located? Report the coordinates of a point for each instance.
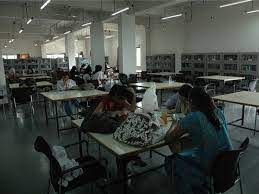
(68, 84)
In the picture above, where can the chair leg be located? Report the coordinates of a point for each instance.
(48, 186)
(240, 180)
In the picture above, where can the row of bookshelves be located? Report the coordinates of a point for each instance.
(160, 63)
(246, 64)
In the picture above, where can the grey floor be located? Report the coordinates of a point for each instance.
(24, 171)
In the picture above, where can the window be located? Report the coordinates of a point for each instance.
(9, 56)
(55, 56)
(138, 53)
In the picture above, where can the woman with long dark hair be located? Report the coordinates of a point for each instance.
(207, 129)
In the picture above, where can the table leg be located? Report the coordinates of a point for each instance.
(255, 122)
(56, 109)
(45, 107)
(80, 142)
(161, 95)
(122, 172)
(243, 114)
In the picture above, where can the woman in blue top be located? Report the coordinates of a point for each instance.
(207, 128)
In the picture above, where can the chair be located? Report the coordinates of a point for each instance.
(93, 170)
(250, 87)
(226, 169)
(133, 78)
(123, 79)
(210, 89)
(23, 95)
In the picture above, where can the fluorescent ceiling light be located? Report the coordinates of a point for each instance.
(29, 21)
(88, 37)
(21, 30)
(172, 16)
(120, 11)
(253, 11)
(5, 46)
(55, 37)
(86, 24)
(235, 3)
(47, 40)
(110, 36)
(35, 44)
(67, 32)
(10, 41)
(45, 4)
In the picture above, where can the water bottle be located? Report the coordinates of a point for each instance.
(170, 81)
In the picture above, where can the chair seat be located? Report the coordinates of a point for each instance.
(90, 174)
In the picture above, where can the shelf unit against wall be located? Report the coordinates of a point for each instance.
(245, 64)
(160, 63)
(39, 65)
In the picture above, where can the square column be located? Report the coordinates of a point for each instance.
(70, 49)
(2, 74)
(97, 44)
(127, 44)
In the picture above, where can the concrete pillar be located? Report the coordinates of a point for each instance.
(70, 49)
(43, 51)
(127, 44)
(2, 74)
(97, 44)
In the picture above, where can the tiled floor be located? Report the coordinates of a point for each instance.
(24, 171)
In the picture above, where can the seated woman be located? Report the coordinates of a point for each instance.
(68, 84)
(178, 103)
(87, 74)
(207, 128)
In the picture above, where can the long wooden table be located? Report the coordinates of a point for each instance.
(243, 98)
(42, 77)
(56, 96)
(120, 151)
(164, 74)
(38, 85)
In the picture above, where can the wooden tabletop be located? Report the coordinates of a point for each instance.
(159, 86)
(164, 74)
(33, 75)
(222, 78)
(117, 148)
(38, 84)
(36, 77)
(72, 94)
(243, 98)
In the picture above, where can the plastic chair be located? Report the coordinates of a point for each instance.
(23, 95)
(251, 86)
(93, 170)
(123, 79)
(210, 89)
(226, 170)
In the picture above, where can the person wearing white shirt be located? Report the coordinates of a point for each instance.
(67, 84)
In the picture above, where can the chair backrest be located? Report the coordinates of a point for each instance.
(40, 145)
(225, 168)
(123, 79)
(252, 85)
(23, 95)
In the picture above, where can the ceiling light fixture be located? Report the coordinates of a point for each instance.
(109, 36)
(35, 44)
(67, 32)
(5, 46)
(29, 21)
(47, 40)
(88, 37)
(253, 11)
(45, 4)
(86, 24)
(120, 11)
(55, 37)
(21, 30)
(172, 16)
(235, 3)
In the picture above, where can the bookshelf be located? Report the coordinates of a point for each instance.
(160, 63)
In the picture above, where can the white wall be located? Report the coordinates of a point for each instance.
(56, 47)
(168, 38)
(141, 41)
(230, 31)
(22, 46)
(2, 74)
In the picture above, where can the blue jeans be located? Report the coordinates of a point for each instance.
(69, 104)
